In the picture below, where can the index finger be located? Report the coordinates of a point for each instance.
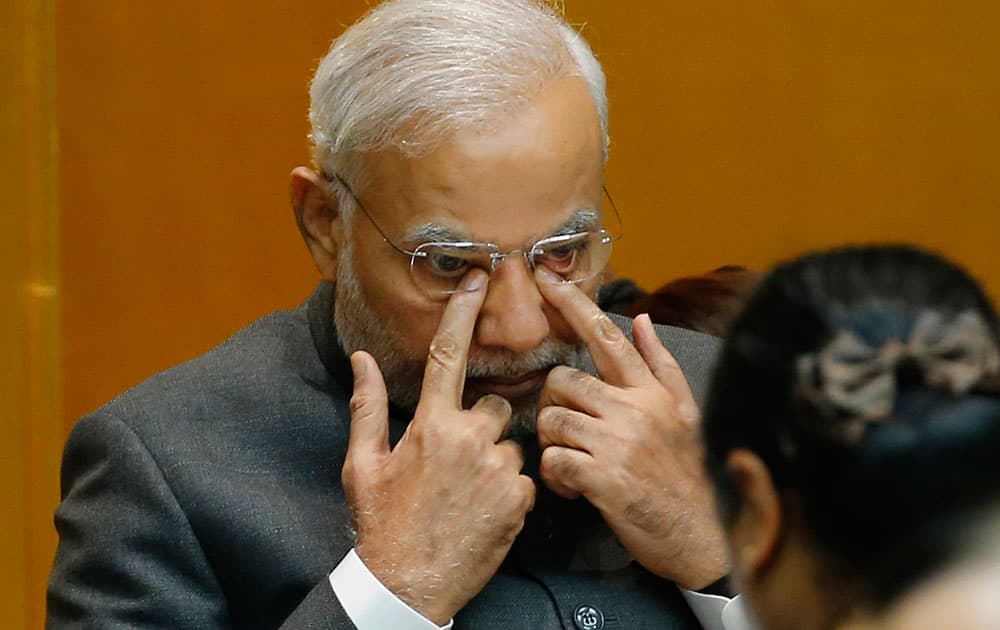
(616, 359)
(444, 374)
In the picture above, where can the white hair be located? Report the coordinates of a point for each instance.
(411, 73)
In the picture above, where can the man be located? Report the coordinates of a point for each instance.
(455, 214)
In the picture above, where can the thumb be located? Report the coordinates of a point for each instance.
(369, 440)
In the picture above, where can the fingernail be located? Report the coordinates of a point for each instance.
(546, 276)
(474, 280)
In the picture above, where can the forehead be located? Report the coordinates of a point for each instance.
(521, 179)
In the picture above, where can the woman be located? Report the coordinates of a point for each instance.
(852, 432)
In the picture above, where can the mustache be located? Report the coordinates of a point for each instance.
(509, 364)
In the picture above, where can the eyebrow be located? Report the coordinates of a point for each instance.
(432, 233)
(579, 221)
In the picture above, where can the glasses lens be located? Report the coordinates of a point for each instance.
(574, 257)
(437, 268)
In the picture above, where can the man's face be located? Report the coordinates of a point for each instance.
(510, 186)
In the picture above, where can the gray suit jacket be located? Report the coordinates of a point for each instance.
(209, 497)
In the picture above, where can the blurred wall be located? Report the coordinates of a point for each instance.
(746, 132)
(180, 123)
(743, 132)
(31, 425)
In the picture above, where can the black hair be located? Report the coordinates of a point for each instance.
(886, 508)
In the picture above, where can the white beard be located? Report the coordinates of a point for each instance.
(358, 328)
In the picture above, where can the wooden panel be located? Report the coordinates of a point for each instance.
(180, 123)
(747, 132)
(30, 422)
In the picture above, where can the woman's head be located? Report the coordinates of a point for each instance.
(852, 421)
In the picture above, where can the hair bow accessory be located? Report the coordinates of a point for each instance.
(850, 377)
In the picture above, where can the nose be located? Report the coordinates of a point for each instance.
(512, 316)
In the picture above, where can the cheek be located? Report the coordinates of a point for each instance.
(384, 276)
(400, 307)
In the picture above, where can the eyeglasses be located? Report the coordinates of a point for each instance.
(437, 267)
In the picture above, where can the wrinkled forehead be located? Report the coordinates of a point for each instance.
(509, 219)
(525, 180)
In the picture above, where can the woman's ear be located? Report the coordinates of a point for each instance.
(319, 219)
(757, 531)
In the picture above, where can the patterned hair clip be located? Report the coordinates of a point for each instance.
(854, 384)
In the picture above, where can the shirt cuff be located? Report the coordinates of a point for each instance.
(369, 604)
(716, 612)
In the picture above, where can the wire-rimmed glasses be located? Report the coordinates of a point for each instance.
(437, 267)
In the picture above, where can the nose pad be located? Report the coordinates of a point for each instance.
(498, 259)
(512, 316)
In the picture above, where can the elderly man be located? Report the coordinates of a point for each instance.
(448, 431)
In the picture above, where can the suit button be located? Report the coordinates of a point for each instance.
(588, 618)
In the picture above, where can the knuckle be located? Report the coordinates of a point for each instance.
(514, 452)
(560, 373)
(568, 424)
(608, 331)
(508, 535)
(444, 350)
(352, 481)
(546, 419)
(348, 475)
(573, 380)
(467, 436)
(496, 405)
(493, 465)
(689, 413)
(518, 504)
(587, 386)
(358, 404)
(503, 457)
(620, 345)
(578, 377)
(518, 458)
(429, 432)
(556, 465)
(527, 492)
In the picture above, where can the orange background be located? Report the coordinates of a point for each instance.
(741, 133)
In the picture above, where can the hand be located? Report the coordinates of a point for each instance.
(629, 443)
(436, 516)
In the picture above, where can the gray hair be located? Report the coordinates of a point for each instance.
(411, 73)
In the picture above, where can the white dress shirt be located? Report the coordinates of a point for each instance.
(371, 606)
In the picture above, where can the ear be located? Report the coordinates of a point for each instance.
(757, 532)
(318, 217)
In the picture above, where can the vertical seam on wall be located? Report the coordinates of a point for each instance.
(43, 421)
